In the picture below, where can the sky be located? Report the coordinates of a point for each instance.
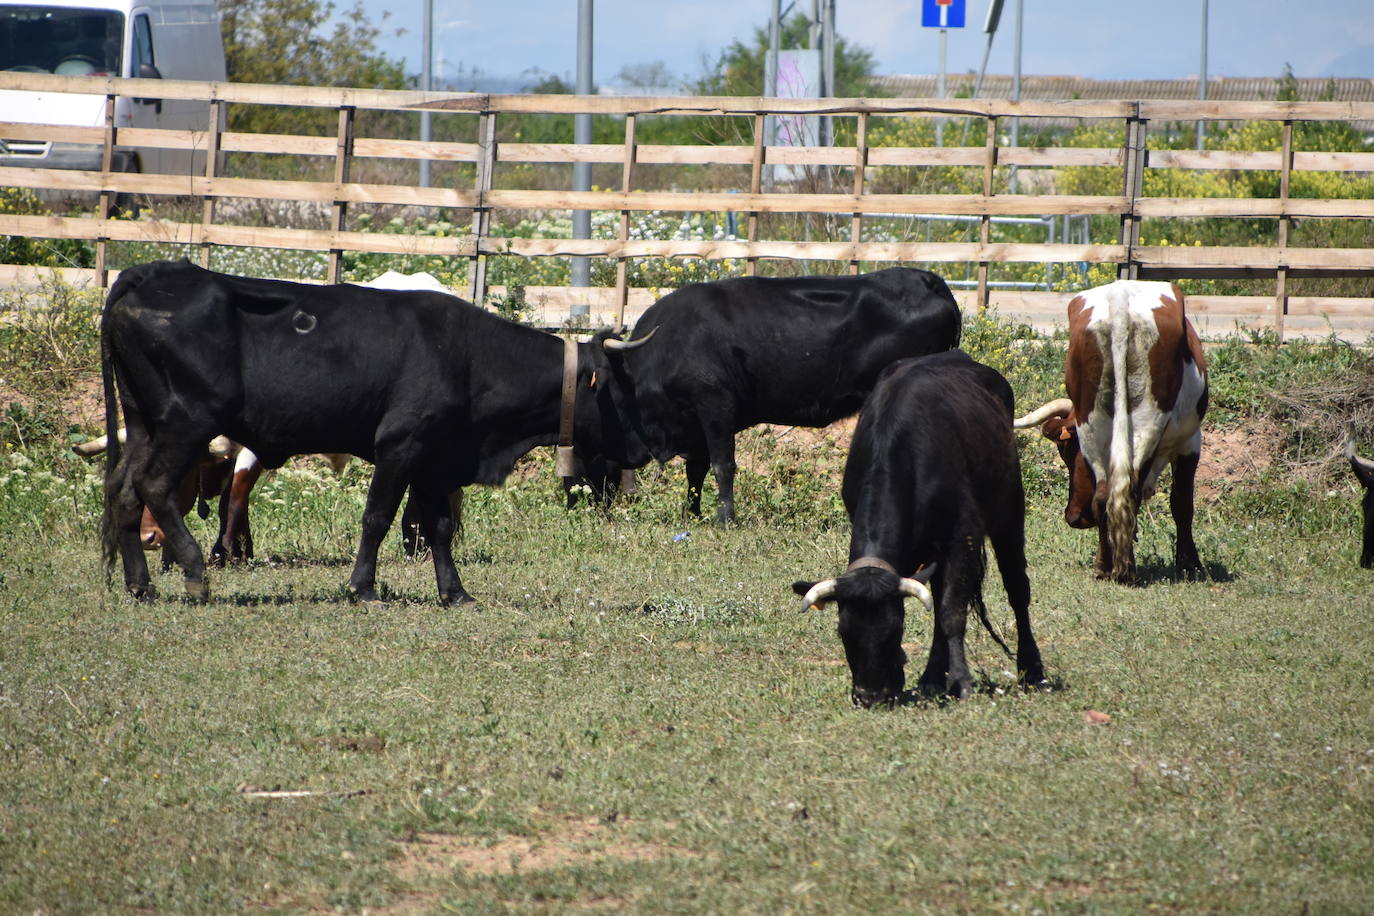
(1103, 39)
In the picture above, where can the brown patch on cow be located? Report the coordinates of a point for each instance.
(1083, 364)
(1177, 346)
(567, 842)
(1166, 376)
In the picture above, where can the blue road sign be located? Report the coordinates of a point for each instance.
(942, 14)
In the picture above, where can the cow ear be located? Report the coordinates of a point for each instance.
(801, 588)
(1065, 434)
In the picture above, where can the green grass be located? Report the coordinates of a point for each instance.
(640, 720)
(670, 694)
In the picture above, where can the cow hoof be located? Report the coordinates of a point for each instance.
(367, 597)
(458, 599)
(144, 592)
(199, 592)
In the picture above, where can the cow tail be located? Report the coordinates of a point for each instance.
(109, 536)
(982, 609)
(1120, 472)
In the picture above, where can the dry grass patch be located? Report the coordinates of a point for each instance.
(569, 841)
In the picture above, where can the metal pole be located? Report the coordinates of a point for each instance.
(1202, 80)
(940, 86)
(770, 85)
(582, 134)
(828, 57)
(426, 83)
(1016, 90)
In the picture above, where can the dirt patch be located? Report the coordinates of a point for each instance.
(1234, 455)
(567, 842)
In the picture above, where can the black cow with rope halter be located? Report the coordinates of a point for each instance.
(799, 351)
(435, 392)
(932, 471)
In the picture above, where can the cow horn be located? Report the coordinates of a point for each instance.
(1350, 449)
(914, 588)
(1060, 407)
(819, 594)
(620, 346)
(98, 445)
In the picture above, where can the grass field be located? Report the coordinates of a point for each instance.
(639, 720)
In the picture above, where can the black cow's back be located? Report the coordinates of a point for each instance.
(934, 442)
(801, 351)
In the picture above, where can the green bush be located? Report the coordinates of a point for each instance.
(38, 252)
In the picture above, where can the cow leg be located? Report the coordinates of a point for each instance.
(159, 487)
(1102, 564)
(438, 511)
(723, 467)
(947, 667)
(1186, 560)
(1010, 550)
(124, 522)
(235, 541)
(696, 479)
(383, 499)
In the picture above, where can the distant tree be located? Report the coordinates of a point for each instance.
(1288, 85)
(654, 75)
(740, 68)
(289, 42)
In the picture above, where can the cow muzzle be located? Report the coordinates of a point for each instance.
(150, 533)
(864, 698)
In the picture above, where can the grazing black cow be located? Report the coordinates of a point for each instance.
(435, 392)
(932, 470)
(1364, 473)
(801, 351)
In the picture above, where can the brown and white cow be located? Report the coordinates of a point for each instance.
(226, 471)
(1137, 384)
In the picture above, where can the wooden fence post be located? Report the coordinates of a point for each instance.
(1281, 278)
(342, 159)
(102, 267)
(860, 166)
(751, 264)
(1133, 167)
(207, 216)
(481, 214)
(985, 224)
(622, 291)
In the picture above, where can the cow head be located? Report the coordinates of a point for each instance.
(871, 620)
(608, 427)
(1059, 424)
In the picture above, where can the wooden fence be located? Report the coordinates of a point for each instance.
(847, 199)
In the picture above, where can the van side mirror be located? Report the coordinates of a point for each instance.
(150, 72)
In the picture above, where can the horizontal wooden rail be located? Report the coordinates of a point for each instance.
(1018, 216)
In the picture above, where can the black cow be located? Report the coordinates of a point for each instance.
(802, 351)
(435, 392)
(932, 470)
(1364, 473)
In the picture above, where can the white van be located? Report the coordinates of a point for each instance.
(152, 39)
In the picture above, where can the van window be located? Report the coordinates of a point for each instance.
(73, 42)
(143, 44)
